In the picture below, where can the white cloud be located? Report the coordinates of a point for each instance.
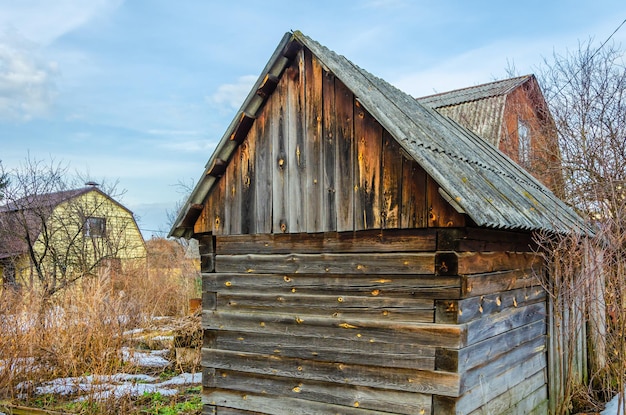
(233, 95)
(27, 81)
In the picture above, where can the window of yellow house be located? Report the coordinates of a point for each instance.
(95, 227)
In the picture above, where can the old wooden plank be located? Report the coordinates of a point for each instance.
(313, 131)
(391, 183)
(482, 262)
(408, 380)
(217, 215)
(521, 399)
(485, 240)
(497, 282)
(506, 320)
(363, 241)
(296, 150)
(25, 410)
(396, 402)
(414, 212)
(329, 148)
(247, 183)
(367, 176)
(280, 163)
(337, 306)
(468, 309)
(390, 353)
(356, 329)
(491, 388)
(263, 160)
(344, 160)
(232, 200)
(274, 406)
(383, 263)
(440, 213)
(388, 285)
(489, 350)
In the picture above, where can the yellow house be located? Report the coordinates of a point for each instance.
(55, 239)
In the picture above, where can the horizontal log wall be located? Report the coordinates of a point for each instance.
(370, 322)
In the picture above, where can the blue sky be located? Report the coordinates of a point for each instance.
(140, 91)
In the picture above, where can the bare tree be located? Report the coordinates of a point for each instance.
(586, 92)
(50, 237)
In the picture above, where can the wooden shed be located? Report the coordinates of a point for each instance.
(362, 253)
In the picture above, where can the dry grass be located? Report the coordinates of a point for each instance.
(80, 331)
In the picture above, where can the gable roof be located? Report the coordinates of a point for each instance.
(35, 208)
(479, 108)
(474, 176)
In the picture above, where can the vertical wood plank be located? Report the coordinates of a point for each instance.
(440, 213)
(232, 201)
(414, 207)
(247, 183)
(216, 217)
(344, 194)
(368, 136)
(297, 154)
(263, 184)
(391, 182)
(313, 132)
(329, 132)
(280, 164)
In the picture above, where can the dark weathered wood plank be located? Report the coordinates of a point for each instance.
(440, 213)
(315, 167)
(484, 240)
(296, 149)
(509, 319)
(414, 212)
(390, 354)
(355, 329)
(232, 200)
(400, 263)
(498, 281)
(367, 176)
(388, 285)
(337, 306)
(329, 134)
(282, 406)
(263, 160)
(247, 184)
(391, 183)
(332, 393)
(482, 262)
(489, 350)
(344, 160)
(409, 380)
(482, 306)
(363, 241)
(521, 399)
(280, 163)
(217, 216)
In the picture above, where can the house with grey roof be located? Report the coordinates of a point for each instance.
(364, 253)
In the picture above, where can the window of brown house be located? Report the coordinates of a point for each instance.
(523, 136)
(95, 227)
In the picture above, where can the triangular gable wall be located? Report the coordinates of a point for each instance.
(314, 160)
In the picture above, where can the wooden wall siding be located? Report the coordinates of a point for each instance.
(370, 322)
(316, 161)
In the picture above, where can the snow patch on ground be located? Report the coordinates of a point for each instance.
(149, 359)
(612, 407)
(115, 386)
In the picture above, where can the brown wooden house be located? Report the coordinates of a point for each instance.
(362, 253)
(512, 115)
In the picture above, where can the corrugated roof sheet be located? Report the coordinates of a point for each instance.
(491, 189)
(473, 93)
